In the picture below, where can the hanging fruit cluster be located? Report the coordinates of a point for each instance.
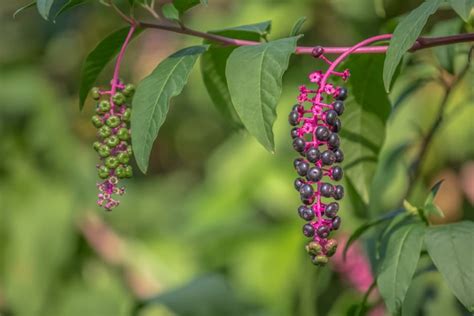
(112, 120)
(315, 137)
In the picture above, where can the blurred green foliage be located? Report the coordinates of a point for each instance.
(212, 229)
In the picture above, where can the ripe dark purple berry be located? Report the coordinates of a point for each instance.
(337, 126)
(333, 141)
(306, 212)
(293, 118)
(323, 231)
(337, 173)
(314, 174)
(328, 157)
(306, 191)
(297, 108)
(302, 168)
(299, 144)
(342, 94)
(336, 222)
(331, 210)
(322, 133)
(326, 190)
(338, 192)
(298, 183)
(338, 107)
(339, 155)
(313, 154)
(331, 117)
(294, 132)
(308, 230)
(297, 161)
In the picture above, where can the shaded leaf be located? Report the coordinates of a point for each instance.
(69, 5)
(151, 100)
(184, 5)
(364, 227)
(213, 63)
(98, 58)
(399, 264)
(204, 296)
(295, 30)
(254, 75)
(390, 169)
(451, 249)
(44, 7)
(446, 54)
(170, 12)
(21, 9)
(363, 122)
(405, 35)
(462, 7)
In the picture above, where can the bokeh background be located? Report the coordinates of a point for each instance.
(212, 229)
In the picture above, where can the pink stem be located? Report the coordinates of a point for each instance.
(115, 79)
(344, 55)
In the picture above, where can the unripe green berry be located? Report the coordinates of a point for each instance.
(95, 93)
(104, 106)
(129, 90)
(129, 150)
(111, 162)
(331, 247)
(105, 131)
(118, 98)
(104, 151)
(103, 172)
(123, 133)
(320, 260)
(113, 121)
(123, 157)
(112, 141)
(96, 145)
(120, 172)
(128, 171)
(126, 115)
(314, 248)
(96, 121)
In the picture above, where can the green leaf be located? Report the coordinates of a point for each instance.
(363, 121)
(430, 207)
(363, 228)
(184, 5)
(446, 54)
(21, 9)
(69, 5)
(170, 12)
(462, 7)
(295, 30)
(254, 75)
(44, 7)
(151, 100)
(399, 264)
(204, 296)
(390, 170)
(213, 63)
(98, 58)
(409, 90)
(451, 249)
(405, 35)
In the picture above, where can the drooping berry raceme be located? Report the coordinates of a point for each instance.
(112, 120)
(316, 123)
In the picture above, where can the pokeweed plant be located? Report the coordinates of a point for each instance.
(243, 71)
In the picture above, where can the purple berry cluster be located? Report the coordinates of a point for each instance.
(112, 119)
(315, 137)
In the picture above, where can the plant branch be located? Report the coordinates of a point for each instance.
(421, 43)
(449, 85)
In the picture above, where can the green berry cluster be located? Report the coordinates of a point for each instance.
(112, 120)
